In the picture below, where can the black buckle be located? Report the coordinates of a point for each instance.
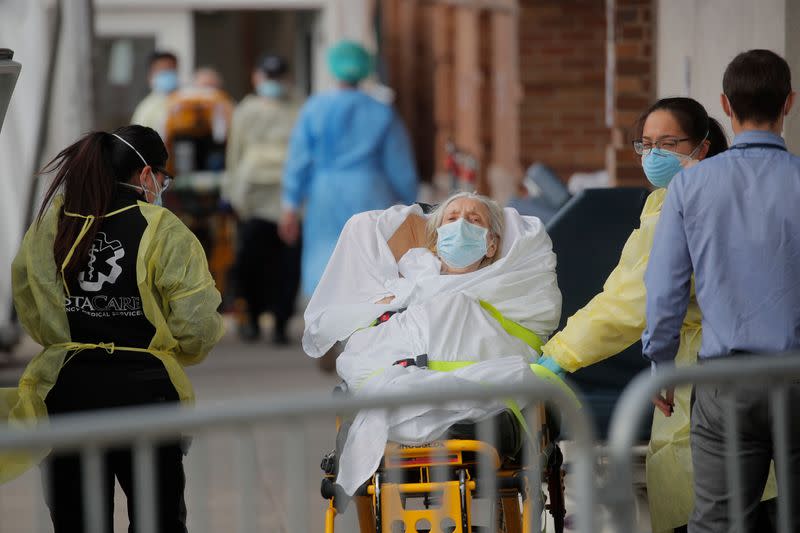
(420, 361)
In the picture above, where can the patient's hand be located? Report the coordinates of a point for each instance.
(386, 300)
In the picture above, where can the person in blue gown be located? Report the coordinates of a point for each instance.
(348, 153)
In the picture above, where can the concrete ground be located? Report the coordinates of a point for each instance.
(215, 472)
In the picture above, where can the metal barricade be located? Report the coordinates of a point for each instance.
(257, 428)
(775, 371)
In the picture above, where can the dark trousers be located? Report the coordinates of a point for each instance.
(713, 493)
(266, 271)
(86, 384)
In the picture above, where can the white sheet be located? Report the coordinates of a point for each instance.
(522, 284)
(450, 328)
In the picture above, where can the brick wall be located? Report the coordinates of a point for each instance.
(443, 35)
(634, 84)
(515, 82)
(562, 57)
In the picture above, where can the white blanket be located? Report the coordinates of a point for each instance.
(522, 284)
(443, 319)
(451, 328)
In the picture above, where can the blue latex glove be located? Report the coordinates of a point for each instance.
(550, 364)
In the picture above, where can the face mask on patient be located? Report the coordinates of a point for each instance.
(461, 243)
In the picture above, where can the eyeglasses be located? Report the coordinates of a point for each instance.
(644, 146)
(167, 178)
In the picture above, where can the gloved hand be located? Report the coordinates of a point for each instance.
(550, 364)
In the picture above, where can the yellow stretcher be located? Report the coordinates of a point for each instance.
(431, 488)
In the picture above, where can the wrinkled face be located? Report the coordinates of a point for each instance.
(473, 211)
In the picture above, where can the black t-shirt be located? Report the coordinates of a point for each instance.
(105, 304)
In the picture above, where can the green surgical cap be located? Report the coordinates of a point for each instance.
(349, 61)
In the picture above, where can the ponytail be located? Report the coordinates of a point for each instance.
(718, 141)
(87, 172)
(84, 171)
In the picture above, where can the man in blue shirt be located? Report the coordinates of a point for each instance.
(734, 222)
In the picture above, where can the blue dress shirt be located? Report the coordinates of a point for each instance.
(734, 221)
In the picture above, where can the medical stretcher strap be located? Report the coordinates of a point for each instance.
(540, 372)
(449, 366)
(512, 328)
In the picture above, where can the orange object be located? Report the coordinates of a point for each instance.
(201, 117)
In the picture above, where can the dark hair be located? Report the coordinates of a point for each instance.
(273, 66)
(693, 119)
(158, 55)
(88, 171)
(757, 84)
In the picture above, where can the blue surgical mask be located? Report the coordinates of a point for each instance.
(460, 243)
(269, 89)
(165, 81)
(660, 166)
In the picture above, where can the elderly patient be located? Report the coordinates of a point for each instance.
(446, 286)
(464, 232)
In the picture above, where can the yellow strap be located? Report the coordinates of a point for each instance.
(87, 224)
(540, 372)
(448, 366)
(512, 328)
(109, 347)
(513, 406)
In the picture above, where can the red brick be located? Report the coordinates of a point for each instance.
(636, 33)
(634, 67)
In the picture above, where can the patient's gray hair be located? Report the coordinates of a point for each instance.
(496, 220)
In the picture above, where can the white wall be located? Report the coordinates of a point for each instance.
(172, 28)
(698, 38)
(170, 21)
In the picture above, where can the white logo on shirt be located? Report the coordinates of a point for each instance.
(103, 252)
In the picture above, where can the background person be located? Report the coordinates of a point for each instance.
(207, 78)
(672, 134)
(117, 291)
(732, 222)
(266, 270)
(349, 153)
(163, 77)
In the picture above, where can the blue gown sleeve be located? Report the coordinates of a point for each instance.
(398, 162)
(299, 165)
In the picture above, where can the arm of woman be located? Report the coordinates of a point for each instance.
(189, 296)
(615, 318)
(37, 288)
(23, 290)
